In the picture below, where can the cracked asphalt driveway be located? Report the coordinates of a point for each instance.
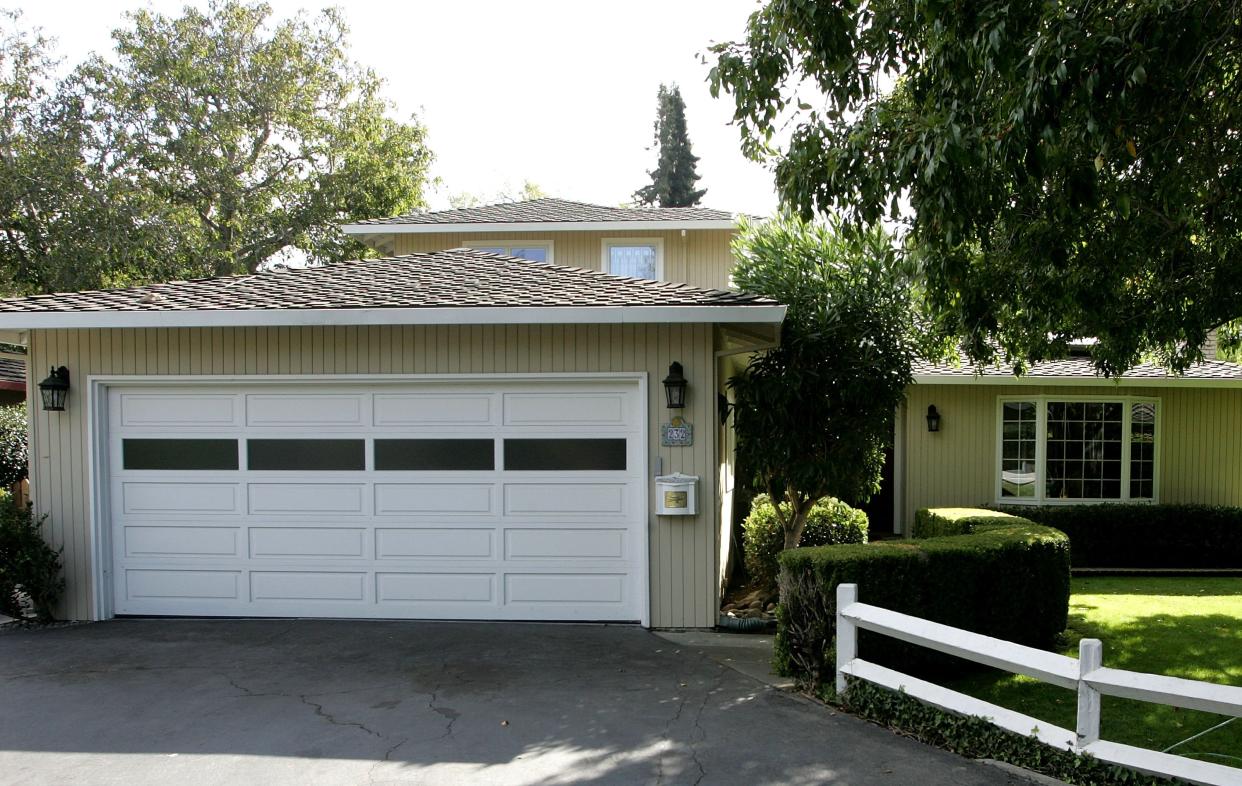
(337, 702)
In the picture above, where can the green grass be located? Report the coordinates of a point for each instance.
(1182, 627)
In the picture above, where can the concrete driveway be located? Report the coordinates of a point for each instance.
(252, 701)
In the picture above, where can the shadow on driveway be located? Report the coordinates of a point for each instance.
(302, 701)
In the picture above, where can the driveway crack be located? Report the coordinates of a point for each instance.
(321, 712)
(699, 734)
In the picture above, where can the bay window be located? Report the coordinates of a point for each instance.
(1062, 449)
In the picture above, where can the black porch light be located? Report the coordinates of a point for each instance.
(55, 389)
(675, 387)
(933, 418)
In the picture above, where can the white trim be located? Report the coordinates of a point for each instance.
(538, 226)
(97, 386)
(608, 243)
(1041, 431)
(548, 245)
(1114, 382)
(490, 315)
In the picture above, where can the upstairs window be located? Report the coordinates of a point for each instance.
(1056, 449)
(642, 258)
(540, 251)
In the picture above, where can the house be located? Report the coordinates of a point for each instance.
(1062, 434)
(12, 380)
(468, 428)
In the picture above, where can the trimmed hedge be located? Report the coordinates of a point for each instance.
(983, 571)
(1145, 536)
(830, 521)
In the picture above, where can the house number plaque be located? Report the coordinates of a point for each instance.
(677, 434)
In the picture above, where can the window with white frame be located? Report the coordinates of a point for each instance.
(642, 258)
(1055, 449)
(537, 251)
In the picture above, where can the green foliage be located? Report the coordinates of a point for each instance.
(977, 738)
(1004, 576)
(673, 179)
(814, 415)
(28, 562)
(1062, 169)
(206, 144)
(1145, 536)
(830, 521)
(14, 450)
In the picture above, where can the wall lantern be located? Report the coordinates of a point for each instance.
(675, 387)
(55, 389)
(933, 418)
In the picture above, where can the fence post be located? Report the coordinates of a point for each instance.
(1090, 658)
(847, 632)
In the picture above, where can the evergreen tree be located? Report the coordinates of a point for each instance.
(673, 179)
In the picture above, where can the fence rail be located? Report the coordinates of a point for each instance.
(1085, 674)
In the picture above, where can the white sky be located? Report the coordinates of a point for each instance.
(559, 93)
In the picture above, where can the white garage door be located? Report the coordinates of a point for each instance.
(487, 500)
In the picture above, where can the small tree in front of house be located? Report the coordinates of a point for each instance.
(673, 179)
(814, 415)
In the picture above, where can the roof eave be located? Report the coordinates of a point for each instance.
(1069, 381)
(505, 315)
(537, 226)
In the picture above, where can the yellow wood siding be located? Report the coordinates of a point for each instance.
(1200, 443)
(701, 258)
(683, 551)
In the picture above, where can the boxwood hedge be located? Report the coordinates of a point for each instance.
(987, 572)
(1145, 535)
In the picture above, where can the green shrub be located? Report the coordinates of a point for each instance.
(27, 562)
(830, 521)
(1003, 576)
(1144, 535)
(14, 452)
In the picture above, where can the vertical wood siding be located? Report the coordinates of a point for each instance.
(702, 258)
(683, 551)
(1200, 445)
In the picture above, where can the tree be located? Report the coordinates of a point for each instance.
(814, 415)
(212, 141)
(507, 193)
(673, 179)
(1071, 168)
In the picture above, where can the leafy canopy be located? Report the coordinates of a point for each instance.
(673, 179)
(814, 415)
(1071, 168)
(207, 144)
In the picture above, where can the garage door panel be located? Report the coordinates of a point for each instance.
(565, 498)
(186, 584)
(164, 410)
(275, 542)
(352, 500)
(156, 497)
(565, 543)
(315, 409)
(180, 541)
(393, 543)
(565, 588)
(455, 588)
(306, 498)
(433, 409)
(307, 585)
(433, 498)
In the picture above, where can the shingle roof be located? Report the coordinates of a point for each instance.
(549, 210)
(1077, 368)
(460, 278)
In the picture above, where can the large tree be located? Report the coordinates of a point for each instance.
(209, 142)
(814, 415)
(673, 179)
(1071, 169)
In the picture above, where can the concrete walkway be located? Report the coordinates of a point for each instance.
(306, 702)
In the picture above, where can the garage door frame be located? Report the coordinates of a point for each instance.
(97, 449)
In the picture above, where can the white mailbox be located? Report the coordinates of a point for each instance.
(675, 494)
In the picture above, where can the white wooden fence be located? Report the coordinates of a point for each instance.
(1086, 675)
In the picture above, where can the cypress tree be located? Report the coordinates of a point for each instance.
(673, 179)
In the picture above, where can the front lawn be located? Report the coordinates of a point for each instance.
(1182, 627)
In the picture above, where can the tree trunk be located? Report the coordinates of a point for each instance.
(795, 525)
